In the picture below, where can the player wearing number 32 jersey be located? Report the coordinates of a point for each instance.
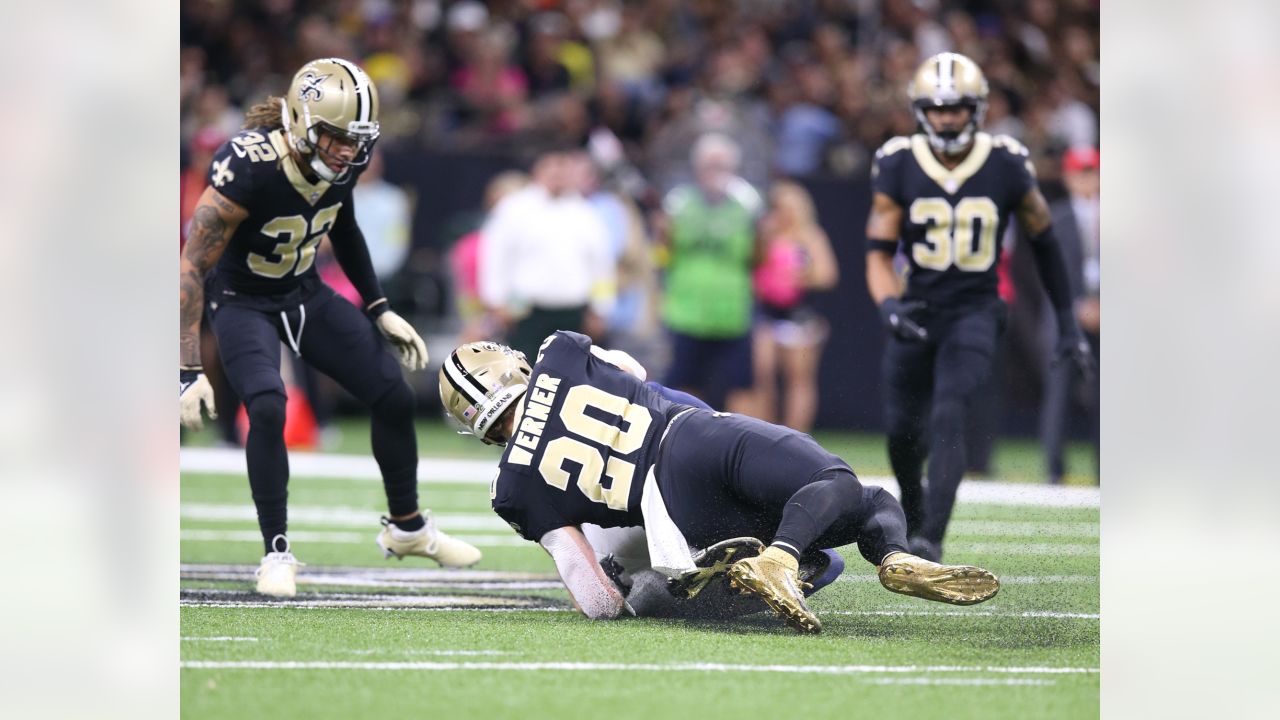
(275, 191)
(946, 194)
(589, 442)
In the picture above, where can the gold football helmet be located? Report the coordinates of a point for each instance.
(949, 79)
(478, 382)
(333, 96)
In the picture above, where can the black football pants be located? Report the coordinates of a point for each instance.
(929, 387)
(338, 340)
(725, 476)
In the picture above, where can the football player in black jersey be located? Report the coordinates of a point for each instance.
(275, 190)
(589, 442)
(945, 195)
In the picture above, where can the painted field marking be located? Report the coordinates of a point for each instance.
(969, 613)
(215, 597)
(432, 652)
(231, 461)
(1010, 580)
(392, 573)
(335, 516)
(624, 667)
(219, 638)
(337, 537)
(960, 681)
(249, 605)
(1016, 548)
(1017, 528)
(351, 517)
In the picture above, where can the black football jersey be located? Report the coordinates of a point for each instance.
(274, 248)
(953, 221)
(586, 435)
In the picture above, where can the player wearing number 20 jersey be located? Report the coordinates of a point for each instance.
(587, 441)
(585, 437)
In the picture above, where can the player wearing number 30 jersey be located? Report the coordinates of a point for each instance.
(946, 194)
(588, 442)
(275, 191)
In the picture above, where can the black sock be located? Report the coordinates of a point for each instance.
(417, 522)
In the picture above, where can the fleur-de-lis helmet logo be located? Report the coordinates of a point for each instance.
(311, 87)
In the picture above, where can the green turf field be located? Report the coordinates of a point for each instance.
(372, 638)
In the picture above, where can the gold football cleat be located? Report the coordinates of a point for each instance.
(955, 584)
(773, 576)
(427, 542)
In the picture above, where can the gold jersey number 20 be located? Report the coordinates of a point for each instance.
(593, 467)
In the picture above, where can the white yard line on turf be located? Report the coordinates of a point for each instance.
(294, 605)
(480, 472)
(959, 681)
(341, 516)
(335, 516)
(221, 638)
(651, 667)
(337, 538)
(966, 613)
(1011, 528)
(1010, 580)
(431, 652)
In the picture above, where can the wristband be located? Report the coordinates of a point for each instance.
(377, 308)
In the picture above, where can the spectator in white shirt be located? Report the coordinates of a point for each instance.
(546, 261)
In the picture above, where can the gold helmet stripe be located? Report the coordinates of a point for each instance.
(360, 81)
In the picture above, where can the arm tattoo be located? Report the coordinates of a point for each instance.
(224, 203)
(207, 239)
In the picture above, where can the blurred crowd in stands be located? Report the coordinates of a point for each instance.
(615, 113)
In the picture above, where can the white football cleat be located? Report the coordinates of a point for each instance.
(277, 570)
(428, 543)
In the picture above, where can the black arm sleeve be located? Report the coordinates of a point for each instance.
(353, 255)
(1053, 273)
(884, 246)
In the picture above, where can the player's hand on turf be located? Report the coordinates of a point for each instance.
(194, 389)
(896, 315)
(1073, 348)
(413, 352)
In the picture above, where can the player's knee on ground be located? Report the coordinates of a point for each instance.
(266, 412)
(396, 405)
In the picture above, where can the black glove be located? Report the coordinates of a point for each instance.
(896, 315)
(1073, 348)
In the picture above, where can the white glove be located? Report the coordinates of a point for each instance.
(413, 352)
(191, 393)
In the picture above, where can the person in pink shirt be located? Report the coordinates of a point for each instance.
(789, 335)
